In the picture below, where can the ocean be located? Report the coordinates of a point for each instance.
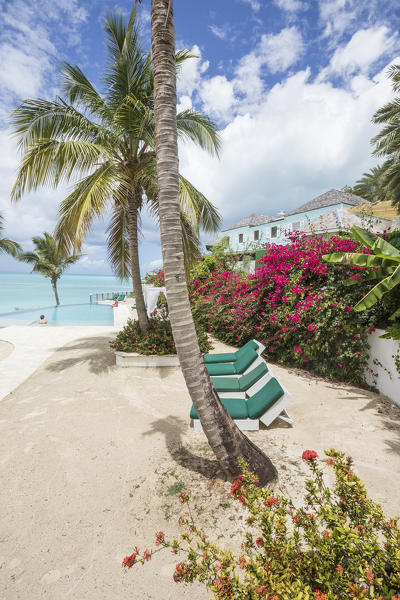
(25, 290)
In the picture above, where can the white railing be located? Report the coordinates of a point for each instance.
(96, 296)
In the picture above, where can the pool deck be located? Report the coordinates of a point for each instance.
(32, 346)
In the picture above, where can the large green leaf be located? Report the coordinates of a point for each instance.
(377, 292)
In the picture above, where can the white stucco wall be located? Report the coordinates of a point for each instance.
(381, 361)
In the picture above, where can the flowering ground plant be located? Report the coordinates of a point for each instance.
(295, 305)
(157, 339)
(337, 546)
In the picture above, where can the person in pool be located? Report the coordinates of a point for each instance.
(42, 320)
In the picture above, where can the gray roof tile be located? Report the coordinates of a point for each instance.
(251, 221)
(328, 199)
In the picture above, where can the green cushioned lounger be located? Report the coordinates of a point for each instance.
(254, 407)
(229, 356)
(121, 297)
(236, 368)
(264, 399)
(236, 407)
(240, 384)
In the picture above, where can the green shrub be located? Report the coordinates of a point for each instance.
(157, 339)
(338, 546)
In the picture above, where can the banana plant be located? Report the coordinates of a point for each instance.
(384, 263)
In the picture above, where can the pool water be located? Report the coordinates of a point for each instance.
(70, 314)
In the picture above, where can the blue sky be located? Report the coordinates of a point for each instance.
(292, 84)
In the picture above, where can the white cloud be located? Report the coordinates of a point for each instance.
(274, 52)
(217, 96)
(156, 263)
(291, 5)
(303, 137)
(219, 32)
(365, 47)
(254, 4)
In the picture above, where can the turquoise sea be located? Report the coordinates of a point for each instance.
(25, 290)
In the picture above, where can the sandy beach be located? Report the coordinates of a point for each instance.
(92, 457)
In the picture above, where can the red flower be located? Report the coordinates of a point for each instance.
(309, 455)
(369, 575)
(329, 462)
(146, 555)
(183, 497)
(259, 541)
(159, 537)
(320, 596)
(339, 569)
(271, 501)
(130, 560)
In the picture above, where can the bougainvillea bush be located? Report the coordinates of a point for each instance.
(155, 278)
(157, 339)
(295, 304)
(338, 546)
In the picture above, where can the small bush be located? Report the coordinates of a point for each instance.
(155, 278)
(338, 546)
(157, 339)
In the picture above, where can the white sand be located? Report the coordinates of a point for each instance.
(89, 455)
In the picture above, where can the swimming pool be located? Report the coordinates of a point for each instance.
(69, 314)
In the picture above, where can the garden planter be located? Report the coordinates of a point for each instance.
(382, 362)
(132, 359)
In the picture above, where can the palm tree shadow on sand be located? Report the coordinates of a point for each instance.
(171, 428)
(98, 355)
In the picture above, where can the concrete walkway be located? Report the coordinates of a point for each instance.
(33, 346)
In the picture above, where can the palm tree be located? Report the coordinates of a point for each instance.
(49, 259)
(227, 441)
(106, 141)
(8, 246)
(371, 185)
(387, 141)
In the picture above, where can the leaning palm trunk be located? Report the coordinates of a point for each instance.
(54, 285)
(133, 209)
(224, 437)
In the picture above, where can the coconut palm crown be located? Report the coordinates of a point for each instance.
(387, 141)
(104, 143)
(8, 246)
(49, 259)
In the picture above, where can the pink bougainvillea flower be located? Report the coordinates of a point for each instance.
(309, 455)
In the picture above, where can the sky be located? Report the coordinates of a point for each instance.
(291, 84)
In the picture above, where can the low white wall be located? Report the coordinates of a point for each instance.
(131, 359)
(381, 362)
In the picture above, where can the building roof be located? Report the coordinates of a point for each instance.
(251, 221)
(328, 199)
(337, 219)
(382, 210)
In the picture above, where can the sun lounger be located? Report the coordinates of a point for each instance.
(238, 386)
(121, 297)
(246, 360)
(265, 405)
(233, 356)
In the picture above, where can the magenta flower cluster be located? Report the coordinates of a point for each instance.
(295, 303)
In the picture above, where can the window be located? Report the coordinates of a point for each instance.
(256, 235)
(240, 238)
(296, 226)
(274, 232)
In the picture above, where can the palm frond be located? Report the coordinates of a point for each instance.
(118, 242)
(200, 129)
(86, 203)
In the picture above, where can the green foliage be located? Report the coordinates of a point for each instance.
(387, 141)
(49, 258)
(103, 141)
(8, 246)
(371, 185)
(383, 264)
(220, 259)
(157, 339)
(338, 545)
